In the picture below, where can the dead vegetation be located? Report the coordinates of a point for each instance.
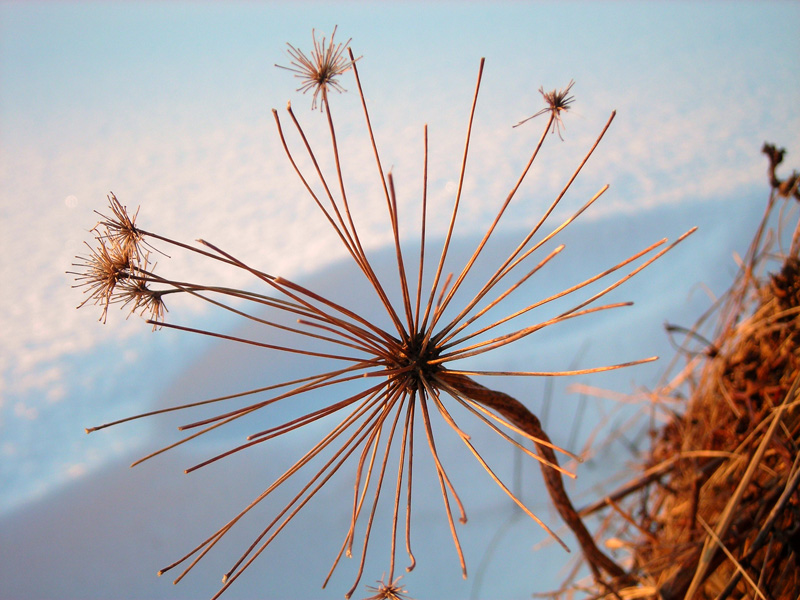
(715, 510)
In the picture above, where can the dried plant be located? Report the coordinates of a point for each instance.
(409, 369)
(714, 509)
(319, 71)
(388, 591)
(558, 101)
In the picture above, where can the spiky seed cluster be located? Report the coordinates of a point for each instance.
(558, 101)
(319, 71)
(388, 591)
(117, 270)
(409, 370)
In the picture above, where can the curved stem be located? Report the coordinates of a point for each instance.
(517, 413)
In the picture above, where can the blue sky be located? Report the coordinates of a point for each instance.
(168, 105)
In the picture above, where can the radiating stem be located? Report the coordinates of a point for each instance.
(451, 226)
(516, 412)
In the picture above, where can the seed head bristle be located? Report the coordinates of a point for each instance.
(102, 270)
(558, 101)
(121, 229)
(388, 591)
(319, 71)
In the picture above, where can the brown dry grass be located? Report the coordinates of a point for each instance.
(715, 510)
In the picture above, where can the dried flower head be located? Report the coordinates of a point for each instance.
(149, 302)
(388, 591)
(117, 270)
(558, 101)
(120, 230)
(319, 71)
(102, 270)
(408, 369)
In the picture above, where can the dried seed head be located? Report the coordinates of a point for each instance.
(558, 101)
(148, 302)
(103, 269)
(388, 591)
(320, 70)
(121, 230)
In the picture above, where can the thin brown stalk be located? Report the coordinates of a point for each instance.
(517, 413)
(378, 487)
(444, 485)
(451, 226)
(547, 213)
(502, 340)
(494, 223)
(558, 295)
(424, 212)
(399, 487)
(496, 479)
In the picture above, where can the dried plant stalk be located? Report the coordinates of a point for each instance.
(409, 370)
(715, 512)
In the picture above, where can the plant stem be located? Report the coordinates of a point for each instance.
(517, 413)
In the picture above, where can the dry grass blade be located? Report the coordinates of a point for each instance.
(717, 497)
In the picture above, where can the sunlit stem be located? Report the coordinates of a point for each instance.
(451, 226)
(501, 273)
(368, 344)
(444, 484)
(233, 416)
(410, 434)
(373, 278)
(211, 541)
(258, 344)
(379, 416)
(284, 285)
(340, 179)
(392, 213)
(359, 490)
(353, 443)
(474, 409)
(194, 290)
(228, 397)
(378, 488)
(496, 479)
(522, 432)
(341, 229)
(467, 322)
(560, 294)
(547, 213)
(555, 373)
(328, 379)
(521, 416)
(492, 227)
(398, 252)
(503, 340)
(269, 434)
(399, 487)
(635, 271)
(422, 230)
(372, 402)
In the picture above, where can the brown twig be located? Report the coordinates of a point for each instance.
(518, 414)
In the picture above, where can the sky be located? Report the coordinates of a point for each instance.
(169, 105)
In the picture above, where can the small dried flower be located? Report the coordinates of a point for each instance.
(388, 591)
(558, 101)
(117, 271)
(320, 70)
(103, 270)
(121, 229)
(149, 302)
